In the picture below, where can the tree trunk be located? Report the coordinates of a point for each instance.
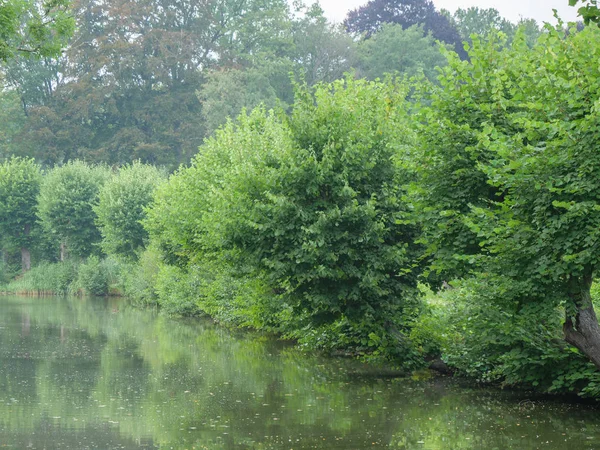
(25, 259)
(25, 253)
(63, 251)
(581, 324)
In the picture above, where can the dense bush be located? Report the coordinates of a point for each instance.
(93, 278)
(312, 206)
(482, 330)
(137, 280)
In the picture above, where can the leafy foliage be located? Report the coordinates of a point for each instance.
(19, 187)
(120, 209)
(92, 278)
(227, 92)
(481, 328)
(521, 175)
(65, 205)
(370, 18)
(312, 206)
(396, 50)
(589, 10)
(41, 28)
(45, 278)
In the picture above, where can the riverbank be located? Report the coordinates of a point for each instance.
(452, 334)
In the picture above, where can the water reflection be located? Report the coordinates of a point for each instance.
(95, 373)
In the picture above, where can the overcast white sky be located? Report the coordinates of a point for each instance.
(540, 10)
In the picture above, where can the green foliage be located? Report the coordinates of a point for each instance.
(312, 206)
(483, 330)
(227, 92)
(46, 278)
(65, 205)
(394, 49)
(40, 27)
(481, 22)
(312, 49)
(176, 289)
(93, 278)
(120, 208)
(19, 187)
(12, 120)
(10, 266)
(137, 279)
(369, 18)
(589, 11)
(510, 172)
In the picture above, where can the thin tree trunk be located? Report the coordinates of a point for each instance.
(63, 251)
(581, 324)
(25, 253)
(25, 259)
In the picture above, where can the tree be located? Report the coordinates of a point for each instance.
(226, 93)
(396, 50)
(481, 21)
(12, 120)
(589, 11)
(66, 206)
(19, 187)
(121, 208)
(321, 52)
(516, 144)
(314, 51)
(485, 21)
(369, 18)
(127, 88)
(40, 28)
(312, 206)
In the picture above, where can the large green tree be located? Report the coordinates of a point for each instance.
(126, 90)
(310, 48)
(121, 208)
(19, 188)
(369, 18)
(66, 202)
(509, 148)
(394, 49)
(313, 205)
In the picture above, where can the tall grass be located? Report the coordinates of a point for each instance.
(44, 279)
(92, 277)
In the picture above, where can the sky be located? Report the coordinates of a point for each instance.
(513, 10)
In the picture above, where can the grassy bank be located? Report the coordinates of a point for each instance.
(92, 277)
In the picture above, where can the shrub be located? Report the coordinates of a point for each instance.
(482, 329)
(313, 207)
(48, 278)
(93, 278)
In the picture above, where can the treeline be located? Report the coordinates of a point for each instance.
(150, 80)
(456, 219)
(71, 214)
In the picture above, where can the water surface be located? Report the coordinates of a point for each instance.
(98, 374)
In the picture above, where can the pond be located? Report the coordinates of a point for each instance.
(98, 374)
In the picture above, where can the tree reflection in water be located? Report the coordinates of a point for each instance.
(97, 373)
